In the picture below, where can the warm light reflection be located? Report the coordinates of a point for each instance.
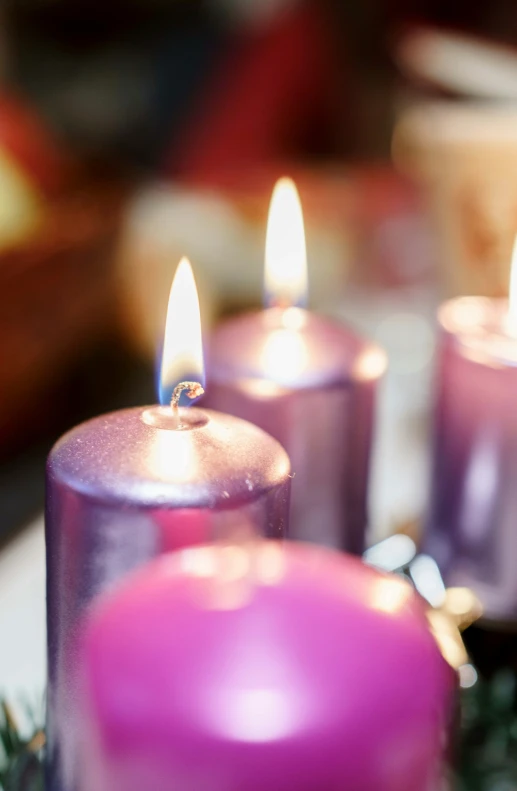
(271, 563)
(285, 275)
(390, 595)
(511, 319)
(232, 568)
(460, 601)
(263, 562)
(448, 638)
(182, 357)
(371, 364)
(284, 356)
(464, 313)
(199, 561)
(171, 456)
(260, 715)
(235, 563)
(463, 606)
(294, 319)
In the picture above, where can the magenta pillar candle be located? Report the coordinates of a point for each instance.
(311, 383)
(291, 668)
(125, 487)
(471, 526)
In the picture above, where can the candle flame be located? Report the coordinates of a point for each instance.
(512, 294)
(285, 276)
(182, 357)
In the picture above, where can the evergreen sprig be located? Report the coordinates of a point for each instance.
(486, 752)
(21, 767)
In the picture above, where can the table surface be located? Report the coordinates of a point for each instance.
(22, 615)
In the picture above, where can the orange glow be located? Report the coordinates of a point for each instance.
(182, 356)
(511, 325)
(285, 276)
(371, 364)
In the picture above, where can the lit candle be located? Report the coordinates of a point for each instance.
(308, 381)
(471, 527)
(127, 486)
(287, 667)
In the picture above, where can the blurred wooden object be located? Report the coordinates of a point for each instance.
(57, 295)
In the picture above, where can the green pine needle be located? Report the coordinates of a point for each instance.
(486, 752)
(21, 767)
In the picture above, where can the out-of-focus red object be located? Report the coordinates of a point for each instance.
(277, 88)
(25, 136)
(56, 297)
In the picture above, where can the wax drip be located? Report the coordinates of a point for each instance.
(194, 390)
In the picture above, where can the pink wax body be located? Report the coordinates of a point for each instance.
(311, 383)
(471, 525)
(290, 667)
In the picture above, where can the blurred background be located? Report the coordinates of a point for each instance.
(135, 131)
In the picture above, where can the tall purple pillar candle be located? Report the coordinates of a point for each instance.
(287, 667)
(309, 382)
(472, 521)
(127, 486)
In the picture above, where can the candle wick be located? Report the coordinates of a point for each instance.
(194, 390)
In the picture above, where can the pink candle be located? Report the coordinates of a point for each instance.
(284, 667)
(309, 382)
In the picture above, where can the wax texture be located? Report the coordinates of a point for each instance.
(317, 674)
(472, 517)
(311, 383)
(125, 487)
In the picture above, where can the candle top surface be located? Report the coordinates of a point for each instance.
(482, 329)
(232, 652)
(140, 457)
(292, 348)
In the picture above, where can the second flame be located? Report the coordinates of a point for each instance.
(285, 275)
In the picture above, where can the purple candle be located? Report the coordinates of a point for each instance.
(309, 382)
(130, 485)
(471, 527)
(284, 667)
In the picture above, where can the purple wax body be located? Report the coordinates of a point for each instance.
(125, 487)
(471, 528)
(310, 383)
(293, 668)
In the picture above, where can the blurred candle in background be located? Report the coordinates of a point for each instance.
(126, 486)
(472, 522)
(275, 666)
(308, 381)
